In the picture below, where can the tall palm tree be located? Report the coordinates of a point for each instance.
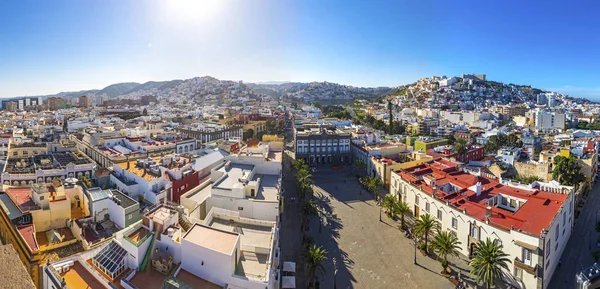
(424, 226)
(488, 262)
(388, 203)
(445, 243)
(402, 209)
(314, 262)
(304, 176)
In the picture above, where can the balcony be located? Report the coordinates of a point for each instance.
(527, 268)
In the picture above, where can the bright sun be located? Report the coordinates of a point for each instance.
(194, 11)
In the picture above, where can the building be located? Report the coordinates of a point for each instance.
(545, 121)
(473, 153)
(510, 111)
(322, 144)
(55, 103)
(533, 223)
(249, 183)
(209, 132)
(480, 77)
(26, 169)
(423, 143)
(38, 221)
(509, 155)
(20, 103)
(84, 101)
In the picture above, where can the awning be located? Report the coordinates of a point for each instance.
(289, 266)
(527, 246)
(288, 282)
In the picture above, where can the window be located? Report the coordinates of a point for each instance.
(240, 208)
(474, 232)
(130, 216)
(396, 185)
(416, 200)
(504, 201)
(439, 213)
(427, 207)
(41, 198)
(518, 273)
(557, 230)
(513, 203)
(564, 218)
(526, 257)
(454, 223)
(453, 233)
(548, 248)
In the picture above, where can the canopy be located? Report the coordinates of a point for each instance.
(53, 236)
(289, 266)
(288, 282)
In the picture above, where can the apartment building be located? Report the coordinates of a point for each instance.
(209, 132)
(533, 223)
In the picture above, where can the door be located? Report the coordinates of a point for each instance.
(416, 212)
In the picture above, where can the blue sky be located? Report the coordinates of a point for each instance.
(52, 46)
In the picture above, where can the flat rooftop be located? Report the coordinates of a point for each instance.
(139, 171)
(233, 173)
(78, 277)
(211, 238)
(195, 281)
(268, 187)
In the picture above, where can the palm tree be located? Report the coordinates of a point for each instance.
(304, 176)
(488, 261)
(298, 164)
(402, 209)
(388, 203)
(445, 243)
(314, 261)
(424, 226)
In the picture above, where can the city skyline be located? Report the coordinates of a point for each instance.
(72, 46)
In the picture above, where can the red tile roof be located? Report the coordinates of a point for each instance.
(22, 196)
(28, 234)
(535, 214)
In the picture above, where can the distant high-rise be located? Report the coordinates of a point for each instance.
(84, 101)
(541, 99)
(55, 103)
(551, 101)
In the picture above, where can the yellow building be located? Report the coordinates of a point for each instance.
(26, 149)
(34, 221)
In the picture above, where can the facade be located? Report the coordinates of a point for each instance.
(84, 101)
(425, 143)
(533, 223)
(209, 132)
(322, 144)
(549, 120)
(31, 168)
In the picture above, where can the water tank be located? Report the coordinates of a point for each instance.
(170, 232)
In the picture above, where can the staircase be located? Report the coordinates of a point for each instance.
(184, 223)
(148, 252)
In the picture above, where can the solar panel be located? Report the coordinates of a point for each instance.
(111, 257)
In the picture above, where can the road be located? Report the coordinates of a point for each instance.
(577, 254)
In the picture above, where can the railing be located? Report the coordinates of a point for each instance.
(148, 252)
(138, 242)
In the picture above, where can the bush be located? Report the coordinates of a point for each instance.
(140, 199)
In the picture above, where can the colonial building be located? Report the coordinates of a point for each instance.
(322, 144)
(533, 223)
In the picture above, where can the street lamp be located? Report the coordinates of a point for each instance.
(415, 259)
(335, 270)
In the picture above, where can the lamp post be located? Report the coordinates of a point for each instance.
(415, 258)
(380, 212)
(335, 270)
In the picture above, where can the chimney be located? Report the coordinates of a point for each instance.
(488, 212)
(478, 188)
(127, 160)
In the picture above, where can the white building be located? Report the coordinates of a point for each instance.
(533, 223)
(549, 120)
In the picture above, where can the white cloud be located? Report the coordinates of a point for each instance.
(149, 44)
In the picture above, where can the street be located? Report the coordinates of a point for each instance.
(577, 255)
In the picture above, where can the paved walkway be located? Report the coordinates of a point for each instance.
(374, 254)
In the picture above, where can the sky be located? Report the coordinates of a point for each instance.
(64, 45)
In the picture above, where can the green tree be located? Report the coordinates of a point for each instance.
(402, 209)
(488, 262)
(460, 146)
(360, 165)
(309, 209)
(445, 244)
(425, 226)
(388, 204)
(567, 171)
(314, 258)
(271, 126)
(451, 139)
(248, 134)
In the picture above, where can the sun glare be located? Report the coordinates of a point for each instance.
(194, 11)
